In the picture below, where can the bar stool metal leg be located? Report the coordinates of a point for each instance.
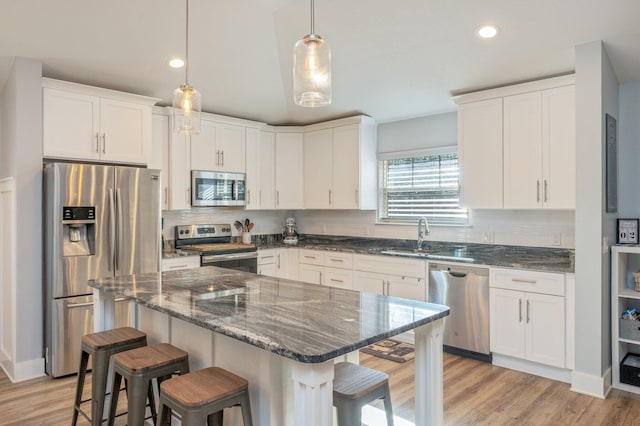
(82, 372)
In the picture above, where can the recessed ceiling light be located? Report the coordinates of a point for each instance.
(175, 63)
(487, 31)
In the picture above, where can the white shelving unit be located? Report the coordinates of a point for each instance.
(624, 261)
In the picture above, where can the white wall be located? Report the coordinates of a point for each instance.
(418, 133)
(596, 94)
(21, 140)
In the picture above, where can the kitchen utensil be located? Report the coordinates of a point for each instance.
(246, 224)
(250, 227)
(238, 225)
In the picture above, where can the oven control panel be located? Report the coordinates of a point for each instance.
(202, 231)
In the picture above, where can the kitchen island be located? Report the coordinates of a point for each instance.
(282, 335)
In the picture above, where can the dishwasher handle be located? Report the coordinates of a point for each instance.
(457, 274)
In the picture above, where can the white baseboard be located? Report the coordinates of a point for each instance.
(591, 385)
(25, 370)
(534, 368)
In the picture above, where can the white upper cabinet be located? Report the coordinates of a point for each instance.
(218, 147)
(87, 123)
(260, 169)
(340, 165)
(480, 154)
(289, 174)
(517, 146)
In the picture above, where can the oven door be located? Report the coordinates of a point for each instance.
(217, 189)
(245, 261)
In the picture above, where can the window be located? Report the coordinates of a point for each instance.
(421, 184)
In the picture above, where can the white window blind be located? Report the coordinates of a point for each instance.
(424, 185)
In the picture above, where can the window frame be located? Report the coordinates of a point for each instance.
(396, 155)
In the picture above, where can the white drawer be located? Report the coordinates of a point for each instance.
(335, 277)
(182, 262)
(529, 281)
(392, 265)
(338, 260)
(311, 257)
(266, 257)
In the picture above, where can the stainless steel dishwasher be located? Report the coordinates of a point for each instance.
(466, 291)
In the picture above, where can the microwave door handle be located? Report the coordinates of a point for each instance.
(112, 230)
(234, 190)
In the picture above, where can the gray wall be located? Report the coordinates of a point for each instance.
(21, 140)
(418, 133)
(596, 94)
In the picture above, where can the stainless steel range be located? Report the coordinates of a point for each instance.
(213, 242)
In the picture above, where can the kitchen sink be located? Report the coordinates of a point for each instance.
(426, 255)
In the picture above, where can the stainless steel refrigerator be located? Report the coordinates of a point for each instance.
(99, 221)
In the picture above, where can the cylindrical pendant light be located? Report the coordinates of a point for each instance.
(312, 69)
(187, 104)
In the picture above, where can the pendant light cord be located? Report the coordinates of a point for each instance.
(312, 13)
(186, 38)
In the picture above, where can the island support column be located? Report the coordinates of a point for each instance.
(104, 310)
(428, 374)
(313, 393)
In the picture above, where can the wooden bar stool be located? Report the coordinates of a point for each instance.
(202, 395)
(355, 386)
(100, 346)
(139, 367)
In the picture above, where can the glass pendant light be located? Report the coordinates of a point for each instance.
(186, 99)
(312, 70)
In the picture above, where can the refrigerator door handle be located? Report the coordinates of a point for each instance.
(120, 222)
(112, 229)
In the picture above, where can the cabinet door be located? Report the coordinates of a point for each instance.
(559, 147)
(346, 167)
(267, 171)
(230, 143)
(125, 129)
(70, 125)
(160, 153)
(289, 265)
(369, 282)
(507, 322)
(268, 269)
(310, 273)
(289, 175)
(480, 154)
(523, 184)
(340, 278)
(253, 166)
(407, 288)
(204, 154)
(545, 341)
(317, 170)
(179, 172)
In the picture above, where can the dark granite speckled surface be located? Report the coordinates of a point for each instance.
(534, 258)
(304, 322)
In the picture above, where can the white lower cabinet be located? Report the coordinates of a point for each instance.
(390, 276)
(182, 262)
(528, 324)
(278, 262)
(333, 269)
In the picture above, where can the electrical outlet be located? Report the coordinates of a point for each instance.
(487, 237)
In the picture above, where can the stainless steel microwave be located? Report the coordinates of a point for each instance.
(217, 189)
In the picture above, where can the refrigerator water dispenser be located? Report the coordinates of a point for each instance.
(78, 228)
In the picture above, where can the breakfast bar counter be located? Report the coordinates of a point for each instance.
(282, 335)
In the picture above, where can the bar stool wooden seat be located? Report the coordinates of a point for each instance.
(201, 396)
(355, 386)
(139, 367)
(101, 346)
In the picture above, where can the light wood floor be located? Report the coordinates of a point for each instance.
(475, 393)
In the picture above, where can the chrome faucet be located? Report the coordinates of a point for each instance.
(423, 231)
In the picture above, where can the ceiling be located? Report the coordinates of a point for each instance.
(391, 59)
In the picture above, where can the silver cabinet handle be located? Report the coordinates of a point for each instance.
(519, 310)
(166, 196)
(97, 143)
(329, 197)
(527, 311)
(309, 257)
(520, 280)
(217, 157)
(320, 278)
(183, 266)
(277, 197)
(545, 191)
(222, 158)
(333, 259)
(538, 191)
(336, 281)
(187, 197)
(266, 257)
(104, 142)
(278, 261)
(248, 196)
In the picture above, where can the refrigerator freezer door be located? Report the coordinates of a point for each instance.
(76, 185)
(72, 319)
(137, 194)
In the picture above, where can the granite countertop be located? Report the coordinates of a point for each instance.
(534, 258)
(305, 322)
